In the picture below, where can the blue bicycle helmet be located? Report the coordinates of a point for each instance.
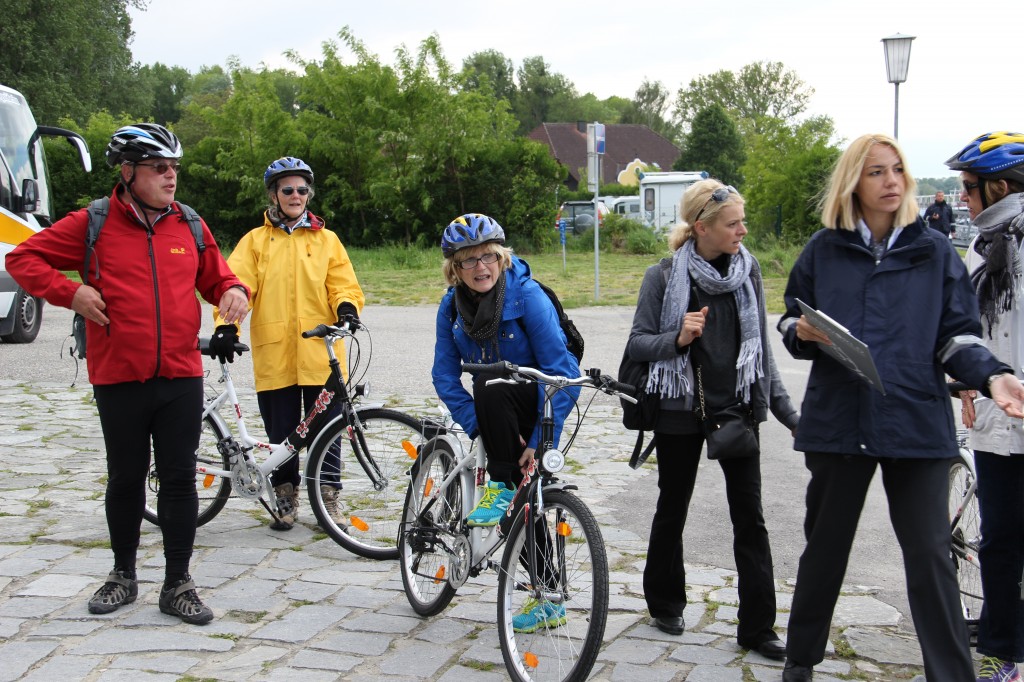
(471, 229)
(142, 141)
(288, 165)
(992, 156)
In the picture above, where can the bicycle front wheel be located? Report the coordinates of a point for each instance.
(553, 630)
(213, 491)
(431, 522)
(359, 514)
(966, 540)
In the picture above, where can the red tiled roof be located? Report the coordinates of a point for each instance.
(624, 143)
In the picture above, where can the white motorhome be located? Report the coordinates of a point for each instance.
(661, 194)
(25, 205)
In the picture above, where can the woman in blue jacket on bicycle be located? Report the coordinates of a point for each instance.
(494, 311)
(901, 288)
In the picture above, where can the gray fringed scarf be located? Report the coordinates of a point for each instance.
(673, 378)
(999, 233)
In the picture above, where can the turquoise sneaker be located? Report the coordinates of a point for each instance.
(536, 615)
(492, 505)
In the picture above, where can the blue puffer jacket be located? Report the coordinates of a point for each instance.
(542, 347)
(917, 313)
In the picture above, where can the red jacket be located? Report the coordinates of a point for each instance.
(148, 282)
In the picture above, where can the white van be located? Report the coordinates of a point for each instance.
(661, 195)
(628, 206)
(25, 205)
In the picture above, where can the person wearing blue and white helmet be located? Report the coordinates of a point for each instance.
(992, 172)
(300, 275)
(493, 310)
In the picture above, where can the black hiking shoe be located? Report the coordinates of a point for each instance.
(115, 593)
(181, 600)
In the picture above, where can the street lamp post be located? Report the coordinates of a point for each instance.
(897, 62)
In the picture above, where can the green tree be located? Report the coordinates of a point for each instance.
(786, 172)
(714, 145)
(542, 92)
(490, 69)
(760, 93)
(73, 189)
(69, 57)
(649, 107)
(169, 86)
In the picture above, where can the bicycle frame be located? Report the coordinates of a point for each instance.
(967, 459)
(334, 392)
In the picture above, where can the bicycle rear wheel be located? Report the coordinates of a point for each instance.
(568, 612)
(213, 491)
(966, 540)
(360, 517)
(428, 538)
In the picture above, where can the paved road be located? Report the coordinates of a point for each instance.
(292, 606)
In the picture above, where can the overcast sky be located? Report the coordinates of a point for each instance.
(953, 92)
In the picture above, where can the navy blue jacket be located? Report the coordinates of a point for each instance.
(918, 314)
(945, 220)
(529, 335)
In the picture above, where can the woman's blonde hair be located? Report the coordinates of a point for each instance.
(450, 266)
(697, 201)
(840, 207)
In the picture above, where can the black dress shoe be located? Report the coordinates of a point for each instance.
(673, 625)
(773, 649)
(794, 672)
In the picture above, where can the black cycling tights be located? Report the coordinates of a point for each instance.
(166, 413)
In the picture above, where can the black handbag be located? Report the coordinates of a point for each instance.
(642, 416)
(729, 432)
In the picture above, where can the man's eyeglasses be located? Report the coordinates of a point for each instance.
(968, 186)
(162, 167)
(288, 191)
(486, 259)
(718, 196)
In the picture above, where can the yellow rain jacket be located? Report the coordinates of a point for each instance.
(297, 280)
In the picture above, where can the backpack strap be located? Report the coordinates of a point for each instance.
(195, 224)
(97, 212)
(639, 458)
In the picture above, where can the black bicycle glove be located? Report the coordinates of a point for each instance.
(347, 313)
(222, 343)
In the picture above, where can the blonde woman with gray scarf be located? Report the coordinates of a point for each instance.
(704, 307)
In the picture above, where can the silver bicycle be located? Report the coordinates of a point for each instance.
(965, 530)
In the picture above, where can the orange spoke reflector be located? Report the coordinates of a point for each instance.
(360, 524)
(530, 659)
(564, 529)
(428, 487)
(439, 576)
(410, 449)
(208, 480)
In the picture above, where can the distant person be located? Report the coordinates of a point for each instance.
(300, 276)
(902, 289)
(940, 215)
(704, 306)
(143, 355)
(992, 171)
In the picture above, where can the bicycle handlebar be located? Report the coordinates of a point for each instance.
(204, 347)
(591, 377)
(324, 330)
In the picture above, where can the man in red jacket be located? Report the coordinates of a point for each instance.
(142, 329)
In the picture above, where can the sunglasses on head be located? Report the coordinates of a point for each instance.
(718, 196)
(288, 191)
(162, 167)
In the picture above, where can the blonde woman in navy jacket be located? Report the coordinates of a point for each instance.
(902, 289)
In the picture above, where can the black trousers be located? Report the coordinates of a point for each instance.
(916, 490)
(504, 413)
(282, 409)
(166, 413)
(665, 576)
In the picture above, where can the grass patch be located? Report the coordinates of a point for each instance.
(35, 505)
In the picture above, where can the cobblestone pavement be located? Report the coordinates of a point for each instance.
(293, 606)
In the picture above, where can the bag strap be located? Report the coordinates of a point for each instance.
(639, 458)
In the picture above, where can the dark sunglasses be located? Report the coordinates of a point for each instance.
(968, 186)
(486, 259)
(162, 167)
(718, 196)
(288, 191)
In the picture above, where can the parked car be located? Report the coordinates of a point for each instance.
(579, 215)
(628, 206)
(963, 230)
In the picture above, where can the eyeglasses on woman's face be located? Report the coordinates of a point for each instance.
(486, 259)
(162, 167)
(288, 191)
(968, 186)
(718, 196)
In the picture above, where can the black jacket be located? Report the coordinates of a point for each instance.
(945, 219)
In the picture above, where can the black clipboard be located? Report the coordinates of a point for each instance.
(850, 351)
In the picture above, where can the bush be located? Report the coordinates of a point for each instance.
(619, 234)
